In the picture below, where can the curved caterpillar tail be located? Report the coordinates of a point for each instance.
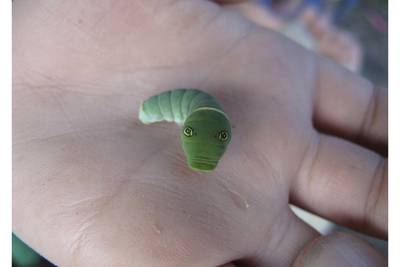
(206, 130)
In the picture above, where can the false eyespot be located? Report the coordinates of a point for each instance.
(188, 131)
(223, 135)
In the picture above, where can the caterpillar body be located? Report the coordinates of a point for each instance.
(206, 130)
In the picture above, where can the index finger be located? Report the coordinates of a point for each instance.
(350, 106)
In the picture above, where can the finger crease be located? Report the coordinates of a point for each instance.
(370, 113)
(308, 162)
(374, 192)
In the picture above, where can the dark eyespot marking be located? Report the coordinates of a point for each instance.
(223, 136)
(188, 131)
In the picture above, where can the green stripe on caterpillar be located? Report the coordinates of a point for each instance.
(206, 130)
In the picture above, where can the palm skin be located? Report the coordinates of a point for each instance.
(94, 187)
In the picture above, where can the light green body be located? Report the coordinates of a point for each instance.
(206, 130)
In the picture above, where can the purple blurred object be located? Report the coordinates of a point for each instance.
(341, 7)
(378, 22)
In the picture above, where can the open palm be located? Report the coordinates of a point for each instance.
(95, 187)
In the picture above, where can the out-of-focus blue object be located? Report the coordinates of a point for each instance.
(342, 7)
(22, 254)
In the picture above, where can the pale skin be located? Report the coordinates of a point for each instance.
(92, 186)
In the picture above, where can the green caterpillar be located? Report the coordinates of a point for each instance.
(206, 130)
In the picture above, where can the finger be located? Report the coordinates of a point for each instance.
(227, 2)
(318, 25)
(256, 12)
(343, 48)
(289, 236)
(350, 106)
(339, 249)
(344, 182)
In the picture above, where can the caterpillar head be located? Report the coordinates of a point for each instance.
(205, 135)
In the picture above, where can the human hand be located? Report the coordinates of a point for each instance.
(94, 187)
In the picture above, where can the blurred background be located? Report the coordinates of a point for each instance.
(352, 32)
(368, 21)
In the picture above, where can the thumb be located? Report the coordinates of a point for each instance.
(339, 249)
